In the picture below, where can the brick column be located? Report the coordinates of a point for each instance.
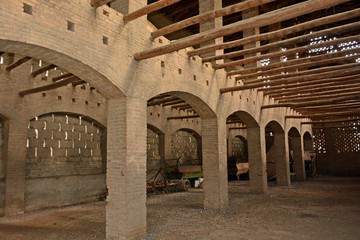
(15, 159)
(298, 157)
(126, 169)
(128, 6)
(257, 160)
(214, 163)
(281, 154)
(206, 6)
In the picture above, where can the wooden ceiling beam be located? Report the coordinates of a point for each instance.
(310, 83)
(311, 103)
(149, 9)
(277, 34)
(258, 21)
(326, 69)
(311, 97)
(331, 115)
(49, 86)
(66, 75)
(183, 117)
(208, 16)
(340, 73)
(317, 89)
(257, 71)
(333, 121)
(160, 101)
(172, 103)
(17, 63)
(42, 70)
(284, 43)
(98, 3)
(180, 106)
(304, 63)
(285, 53)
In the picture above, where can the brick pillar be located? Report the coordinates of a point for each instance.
(126, 169)
(206, 6)
(214, 163)
(15, 159)
(281, 154)
(298, 157)
(249, 13)
(257, 160)
(128, 6)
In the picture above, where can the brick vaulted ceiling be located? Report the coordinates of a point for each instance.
(306, 54)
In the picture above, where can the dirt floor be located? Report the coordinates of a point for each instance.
(319, 208)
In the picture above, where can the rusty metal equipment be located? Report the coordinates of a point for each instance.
(159, 182)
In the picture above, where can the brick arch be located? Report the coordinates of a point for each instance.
(276, 127)
(69, 63)
(308, 141)
(294, 132)
(193, 98)
(247, 119)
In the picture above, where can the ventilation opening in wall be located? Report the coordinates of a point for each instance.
(70, 26)
(105, 40)
(27, 8)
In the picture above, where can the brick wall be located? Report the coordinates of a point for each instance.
(239, 149)
(64, 148)
(2, 167)
(153, 152)
(186, 146)
(338, 150)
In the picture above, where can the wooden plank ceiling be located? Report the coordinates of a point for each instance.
(307, 54)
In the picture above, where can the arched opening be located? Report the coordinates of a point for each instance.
(310, 154)
(237, 157)
(251, 161)
(154, 151)
(186, 152)
(66, 161)
(277, 162)
(297, 170)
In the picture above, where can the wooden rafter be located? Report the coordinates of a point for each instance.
(316, 89)
(311, 97)
(66, 75)
(340, 73)
(163, 100)
(42, 70)
(305, 73)
(285, 53)
(258, 21)
(183, 117)
(180, 106)
(173, 102)
(303, 63)
(288, 42)
(17, 63)
(148, 9)
(311, 103)
(332, 121)
(49, 86)
(311, 83)
(277, 34)
(98, 3)
(351, 113)
(208, 16)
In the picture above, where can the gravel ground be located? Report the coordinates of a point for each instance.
(319, 208)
